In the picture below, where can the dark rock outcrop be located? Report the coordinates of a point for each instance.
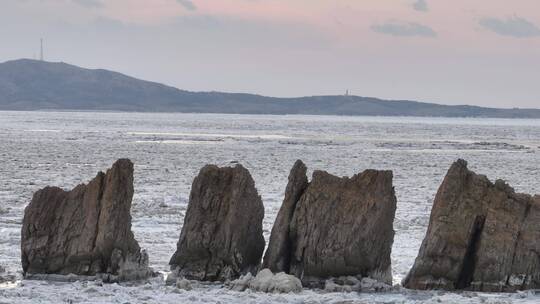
(85, 231)
(482, 236)
(278, 255)
(334, 227)
(221, 238)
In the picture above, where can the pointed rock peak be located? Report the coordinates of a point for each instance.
(460, 163)
(122, 164)
(458, 169)
(278, 254)
(298, 169)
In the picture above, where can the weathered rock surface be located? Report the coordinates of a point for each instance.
(337, 227)
(482, 236)
(278, 255)
(266, 281)
(85, 231)
(221, 238)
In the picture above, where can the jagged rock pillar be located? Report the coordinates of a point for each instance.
(482, 236)
(278, 255)
(221, 238)
(334, 227)
(85, 231)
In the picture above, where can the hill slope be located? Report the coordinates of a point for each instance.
(35, 85)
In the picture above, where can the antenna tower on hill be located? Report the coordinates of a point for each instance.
(41, 50)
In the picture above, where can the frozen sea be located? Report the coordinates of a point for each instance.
(67, 148)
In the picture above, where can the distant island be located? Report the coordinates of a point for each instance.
(31, 85)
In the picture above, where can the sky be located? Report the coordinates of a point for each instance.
(479, 52)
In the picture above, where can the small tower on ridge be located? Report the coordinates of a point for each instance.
(41, 50)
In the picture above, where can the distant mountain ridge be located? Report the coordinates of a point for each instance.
(36, 85)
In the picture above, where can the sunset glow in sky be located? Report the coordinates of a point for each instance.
(483, 52)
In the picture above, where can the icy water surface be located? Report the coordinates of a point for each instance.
(64, 149)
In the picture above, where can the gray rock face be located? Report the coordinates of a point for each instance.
(338, 227)
(278, 255)
(222, 234)
(481, 236)
(266, 281)
(85, 231)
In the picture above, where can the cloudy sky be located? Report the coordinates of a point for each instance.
(483, 52)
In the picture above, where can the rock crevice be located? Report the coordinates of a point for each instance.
(469, 261)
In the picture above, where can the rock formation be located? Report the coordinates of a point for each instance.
(278, 255)
(482, 236)
(266, 281)
(334, 227)
(221, 238)
(85, 231)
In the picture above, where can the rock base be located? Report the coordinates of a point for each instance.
(266, 281)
